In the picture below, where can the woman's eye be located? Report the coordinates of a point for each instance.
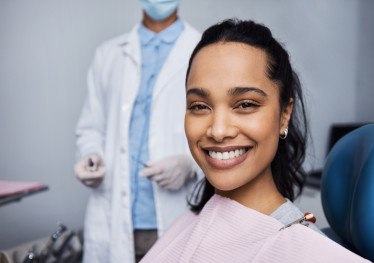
(198, 107)
(247, 105)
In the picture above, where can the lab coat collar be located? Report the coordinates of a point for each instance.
(177, 59)
(131, 44)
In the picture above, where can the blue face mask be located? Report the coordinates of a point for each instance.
(159, 9)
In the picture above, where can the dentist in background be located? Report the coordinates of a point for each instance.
(132, 150)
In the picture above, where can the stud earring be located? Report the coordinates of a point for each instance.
(284, 136)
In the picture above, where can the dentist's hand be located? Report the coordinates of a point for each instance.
(90, 170)
(171, 172)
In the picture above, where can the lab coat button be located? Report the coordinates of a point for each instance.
(123, 192)
(122, 150)
(125, 107)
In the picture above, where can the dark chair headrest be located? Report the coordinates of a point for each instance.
(347, 190)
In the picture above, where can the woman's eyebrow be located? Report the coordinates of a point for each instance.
(197, 91)
(241, 90)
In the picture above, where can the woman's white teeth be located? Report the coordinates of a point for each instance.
(226, 155)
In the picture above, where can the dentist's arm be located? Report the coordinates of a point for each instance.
(90, 130)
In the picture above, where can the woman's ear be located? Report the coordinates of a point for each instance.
(286, 116)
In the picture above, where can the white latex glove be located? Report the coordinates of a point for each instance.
(90, 170)
(171, 172)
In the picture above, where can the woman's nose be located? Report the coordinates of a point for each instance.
(221, 127)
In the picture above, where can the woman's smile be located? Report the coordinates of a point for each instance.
(226, 157)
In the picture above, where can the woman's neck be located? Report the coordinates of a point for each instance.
(262, 196)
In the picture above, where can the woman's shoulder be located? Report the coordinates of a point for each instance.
(289, 212)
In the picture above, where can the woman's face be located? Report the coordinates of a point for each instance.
(233, 118)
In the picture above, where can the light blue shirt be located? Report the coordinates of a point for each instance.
(155, 48)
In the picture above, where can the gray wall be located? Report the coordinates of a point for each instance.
(365, 69)
(46, 48)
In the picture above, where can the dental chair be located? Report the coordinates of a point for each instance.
(347, 191)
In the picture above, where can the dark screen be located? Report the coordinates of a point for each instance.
(337, 131)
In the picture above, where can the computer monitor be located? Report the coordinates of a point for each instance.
(337, 131)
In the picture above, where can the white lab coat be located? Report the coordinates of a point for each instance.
(103, 127)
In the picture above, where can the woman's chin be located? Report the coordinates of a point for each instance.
(224, 186)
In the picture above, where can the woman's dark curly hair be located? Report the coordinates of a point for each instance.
(287, 164)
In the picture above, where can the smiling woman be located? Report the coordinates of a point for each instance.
(233, 125)
(246, 128)
(243, 97)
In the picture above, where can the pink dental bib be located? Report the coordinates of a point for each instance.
(226, 231)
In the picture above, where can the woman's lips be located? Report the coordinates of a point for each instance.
(226, 163)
